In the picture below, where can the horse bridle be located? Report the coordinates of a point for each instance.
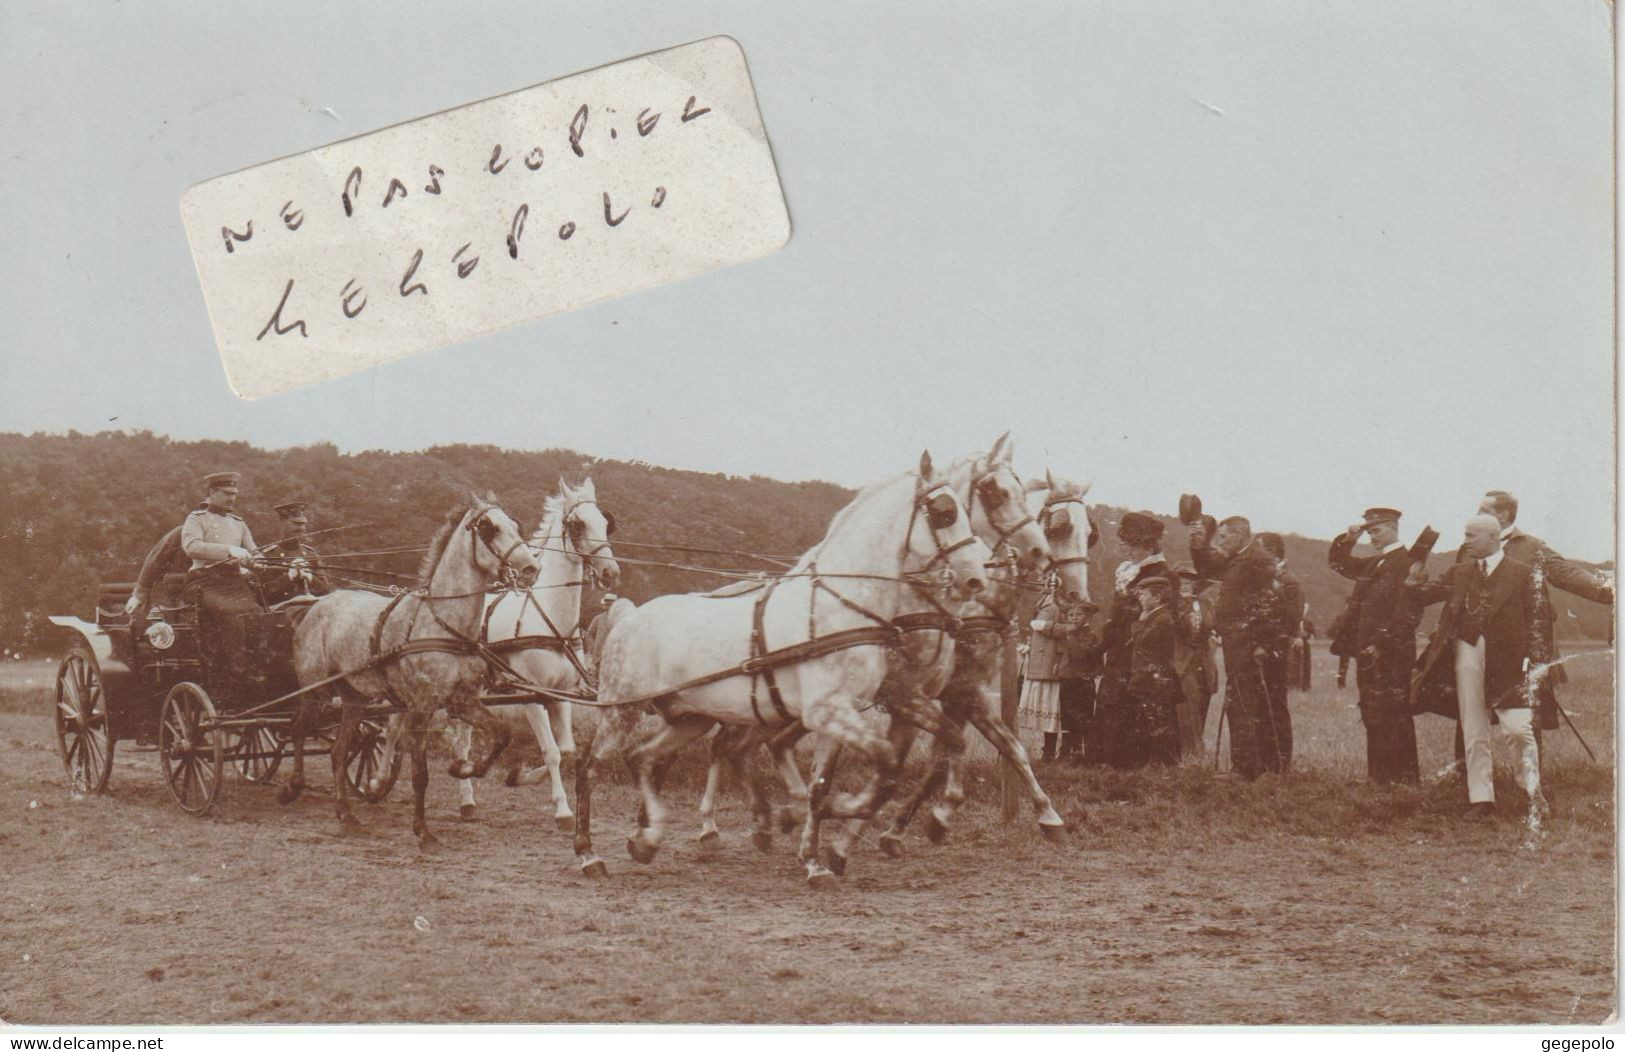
(941, 512)
(985, 487)
(1055, 530)
(481, 529)
(573, 525)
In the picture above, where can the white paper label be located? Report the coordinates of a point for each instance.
(479, 218)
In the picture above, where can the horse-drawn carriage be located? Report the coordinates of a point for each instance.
(151, 682)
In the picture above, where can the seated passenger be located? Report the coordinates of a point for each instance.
(297, 565)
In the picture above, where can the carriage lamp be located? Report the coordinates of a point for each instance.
(161, 635)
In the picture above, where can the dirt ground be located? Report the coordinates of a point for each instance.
(1178, 897)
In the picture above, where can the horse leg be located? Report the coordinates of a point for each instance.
(477, 716)
(782, 747)
(891, 841)
(561, 717)
(417, 727)
(542, 727)
(461, 737)
(984, 718)
(736, 751)
(725, 736)
(386, 761)
(298, 729)
(825, 752)
(613, 728)
(349, 723)
(650, 761)
(901, 734)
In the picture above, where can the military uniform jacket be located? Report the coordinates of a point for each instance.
(280, 582)
(1246, 616)
(208, 536)
(1381, 614)
(1516, 623)
(1151, 670)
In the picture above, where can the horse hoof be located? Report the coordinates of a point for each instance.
(762, 841)
(821, 879)
(710, 840)
(641, 850)
(837, 864)
(429, 844)
(468, 813)
(348, 826)
(566, 823)
(789, 821)
(287, 795)
(891, 845)
(460, 770)
(1053, 833)
(936, 830)
(594, 868)
(512, 778)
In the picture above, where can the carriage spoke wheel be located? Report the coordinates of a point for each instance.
(191, 749)
(83, 735)
(364, 762)
(258, 753)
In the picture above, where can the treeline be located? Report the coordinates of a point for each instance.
(78, 510)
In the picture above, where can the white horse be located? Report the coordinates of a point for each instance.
(973, 691)
(538, 626)
(685, 654)
(995, 498)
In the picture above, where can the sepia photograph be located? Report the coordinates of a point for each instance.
(1089, 514)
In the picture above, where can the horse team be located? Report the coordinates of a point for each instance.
(890, 625)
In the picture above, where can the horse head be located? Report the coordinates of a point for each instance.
(1069, 528)
(587, 529)
(998, 508)
(947, 538)
(496, 545)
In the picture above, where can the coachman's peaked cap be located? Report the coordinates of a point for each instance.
(291, 507)
(1376, 515)
(222, 478)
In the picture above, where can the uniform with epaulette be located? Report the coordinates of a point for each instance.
(218, 542)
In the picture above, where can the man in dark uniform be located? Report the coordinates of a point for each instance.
(1288, 621)
(1140, 533)
(298, 564)
(221, 548)
(1246, 620)
(1380, 633)
(1196, 660)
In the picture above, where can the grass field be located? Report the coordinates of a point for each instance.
(1179, 896)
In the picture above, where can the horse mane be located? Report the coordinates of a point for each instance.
(840, 517)
(442, 537)
(552, 508)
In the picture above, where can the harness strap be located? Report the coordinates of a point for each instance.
(758, 652)
(927, 621)
(505, 646)
(376, 643)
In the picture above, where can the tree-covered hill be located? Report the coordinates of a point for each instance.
(79, 509)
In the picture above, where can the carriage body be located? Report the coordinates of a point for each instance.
(152, 682)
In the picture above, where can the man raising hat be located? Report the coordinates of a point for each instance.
(221, 548)
(298, 563)
(1379, 629)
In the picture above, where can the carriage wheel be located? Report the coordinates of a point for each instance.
(365, 761)
(191, 749)
(258, 753)
(83, 734)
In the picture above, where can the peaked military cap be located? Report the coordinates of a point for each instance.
(1139, 527)
(1159, 583)
(222, 478)
(1376, 515)
(291, 507)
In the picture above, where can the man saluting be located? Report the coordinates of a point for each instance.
(1380, 627)
(221, 548)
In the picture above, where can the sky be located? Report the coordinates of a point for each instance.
(1299, 259)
